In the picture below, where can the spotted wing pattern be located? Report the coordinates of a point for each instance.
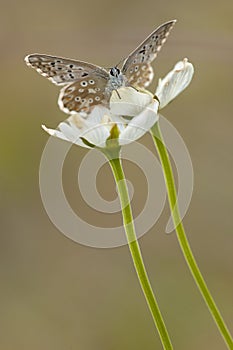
(85, 82)
(62, 70)
(83, 95)
(140, 75)
(136, 67)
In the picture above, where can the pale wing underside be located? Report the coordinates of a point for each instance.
(139, 60)
(140, 75)
(86, 83)
(61, 70)
(83, 95)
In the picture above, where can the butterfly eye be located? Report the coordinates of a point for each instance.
(92, 85)
(114, 72)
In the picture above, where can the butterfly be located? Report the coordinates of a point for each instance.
(87, 85)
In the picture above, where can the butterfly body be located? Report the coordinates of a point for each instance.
(116, 80)
(87, 85)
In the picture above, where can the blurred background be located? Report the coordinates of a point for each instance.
(57, 294)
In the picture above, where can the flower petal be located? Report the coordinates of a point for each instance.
(91, 129)
(140, 124)
(174, 82)
(75, 128)
(55, 133)
(121, 122)
(65, 134)
(127, 101)
(96, 134)
(96, 115)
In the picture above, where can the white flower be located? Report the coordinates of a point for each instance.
(130, 115)
(174, 82)
(130, 103)
(103, 124)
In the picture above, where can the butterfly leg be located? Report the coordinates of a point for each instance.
(118, 94)
(134, 87)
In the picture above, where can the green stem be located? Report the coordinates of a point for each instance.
(135, 249)
(184, 244)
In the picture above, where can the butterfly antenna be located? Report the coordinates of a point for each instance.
(122, 60)
(116, 66)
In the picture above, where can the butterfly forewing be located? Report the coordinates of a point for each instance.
(87, 85)
(139, 60)
(63, 70)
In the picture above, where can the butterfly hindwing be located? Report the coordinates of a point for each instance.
(82, 95)
(140, 75)
(87, 85)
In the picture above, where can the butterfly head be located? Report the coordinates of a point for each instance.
(115, 72)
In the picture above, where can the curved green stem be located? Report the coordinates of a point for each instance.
(184, 244)
(135, 249)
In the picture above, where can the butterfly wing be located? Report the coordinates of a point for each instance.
(136, 67)
(84, 94)
(85, 82)
(61, 70)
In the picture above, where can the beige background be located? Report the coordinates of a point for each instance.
(59, 295)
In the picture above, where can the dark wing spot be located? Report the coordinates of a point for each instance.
(71, 65)
(142, 51)
(84, 74)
